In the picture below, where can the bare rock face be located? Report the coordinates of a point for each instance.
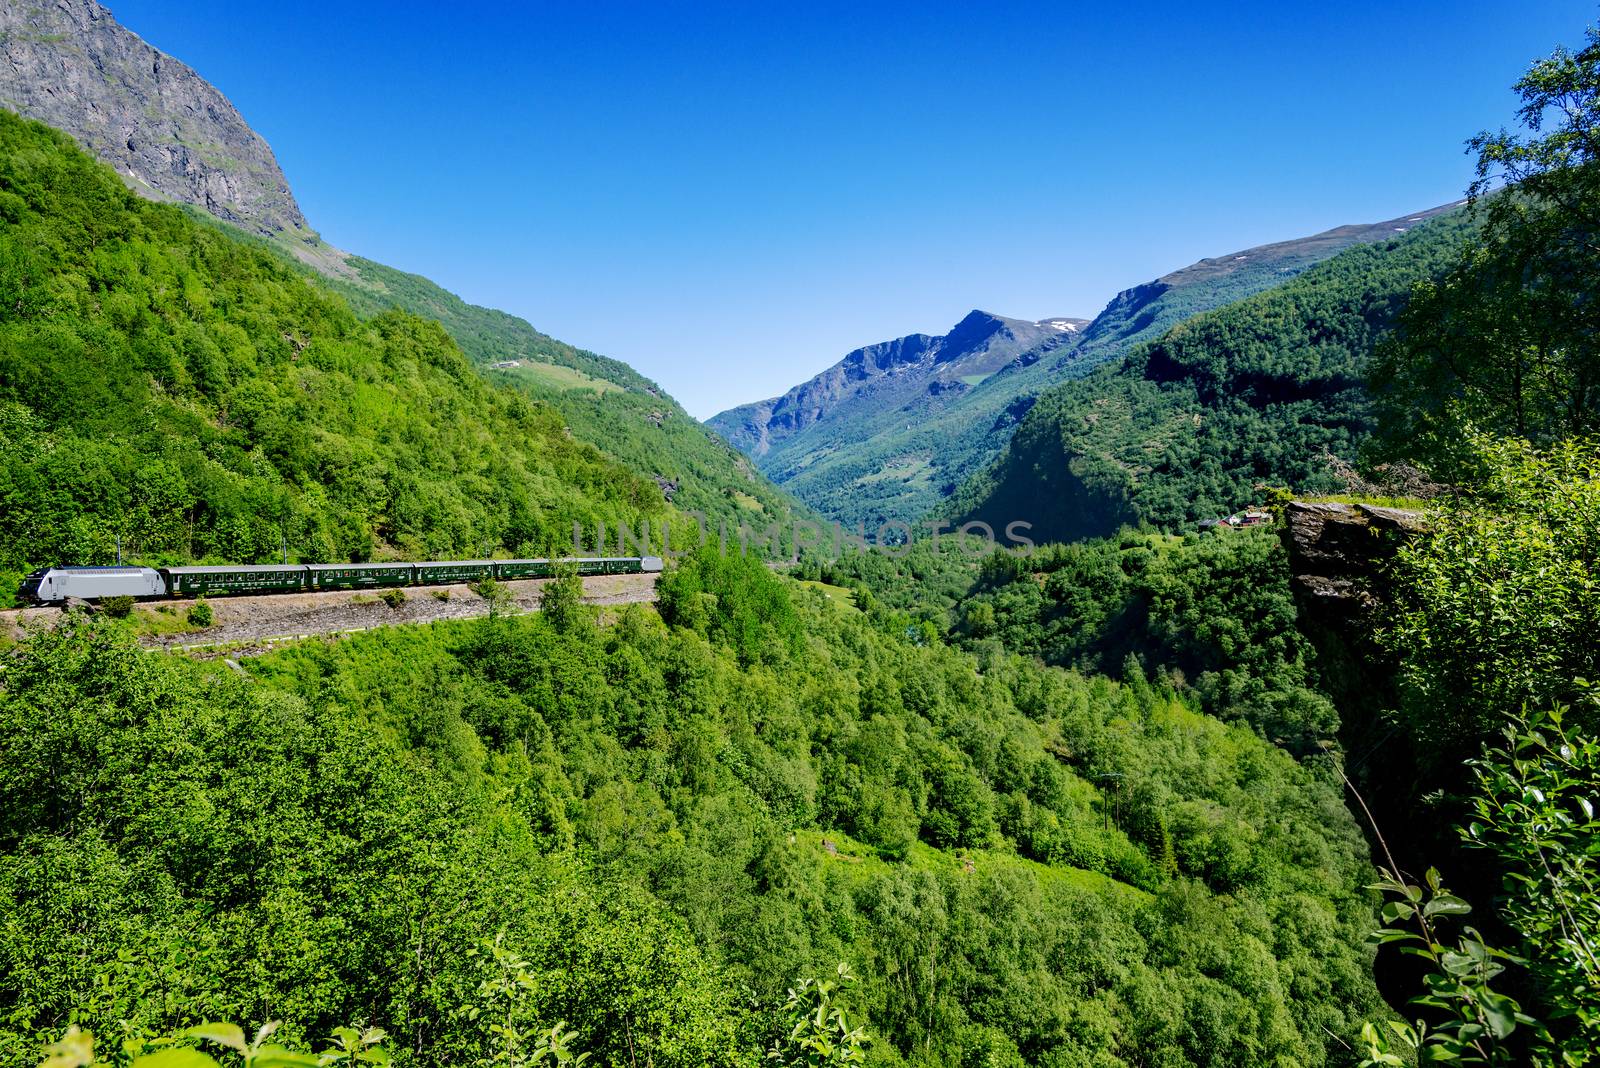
(1338, 551)
(165, 129)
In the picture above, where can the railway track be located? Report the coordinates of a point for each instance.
(245, 626)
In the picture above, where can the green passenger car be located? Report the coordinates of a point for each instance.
(525, 569)
(445, 572)
(584, 565)
(264, 578)
(227, 580)
(360, 576)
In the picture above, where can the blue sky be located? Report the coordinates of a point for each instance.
(730, 199)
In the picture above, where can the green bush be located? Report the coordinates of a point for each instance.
(1496, 601)
(10, 587)
(561, 599)
(496, 593)
(734, 600)
(394, 598)
(117, 607)
(200, 613)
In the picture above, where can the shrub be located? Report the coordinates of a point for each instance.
(496, 593)
(561, 600)
(820, 1031)
(76, 1048)
(200, 613)
(395, 598)
(117, 607)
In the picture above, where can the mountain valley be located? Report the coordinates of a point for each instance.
(892, 431)
(1276, 744)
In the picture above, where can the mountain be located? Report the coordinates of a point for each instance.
(164, 129)
(892, 373)
(868, 452)
(172, 136)
(1187, 426)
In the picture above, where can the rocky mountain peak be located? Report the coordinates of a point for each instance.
(170, 133)
(976, 329)
(888, 376)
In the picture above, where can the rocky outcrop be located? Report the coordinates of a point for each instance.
(166, 130)
(1337, 553)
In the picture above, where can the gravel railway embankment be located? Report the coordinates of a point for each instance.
(244, 626)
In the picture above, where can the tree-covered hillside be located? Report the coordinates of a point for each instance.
(176, 137)
(1188, 426)
(606, 403)
(668, 823)
(194, 397)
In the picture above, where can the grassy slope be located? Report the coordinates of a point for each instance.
(1186, 426)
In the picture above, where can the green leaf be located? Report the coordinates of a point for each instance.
(278, 1057)
(74, 1050)
(223, 1034)
(182, 1057)
(1502, 1016)
(1446, 905)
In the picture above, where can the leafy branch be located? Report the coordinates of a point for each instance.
(821, 1033)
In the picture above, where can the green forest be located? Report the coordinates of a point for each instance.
(670, 821)
(1132, 800)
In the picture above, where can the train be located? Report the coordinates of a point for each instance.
(56, 585)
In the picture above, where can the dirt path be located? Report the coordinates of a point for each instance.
(245, 626)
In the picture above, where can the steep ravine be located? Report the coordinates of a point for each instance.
(1340, 556)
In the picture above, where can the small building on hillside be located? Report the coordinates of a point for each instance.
(1238, 519)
